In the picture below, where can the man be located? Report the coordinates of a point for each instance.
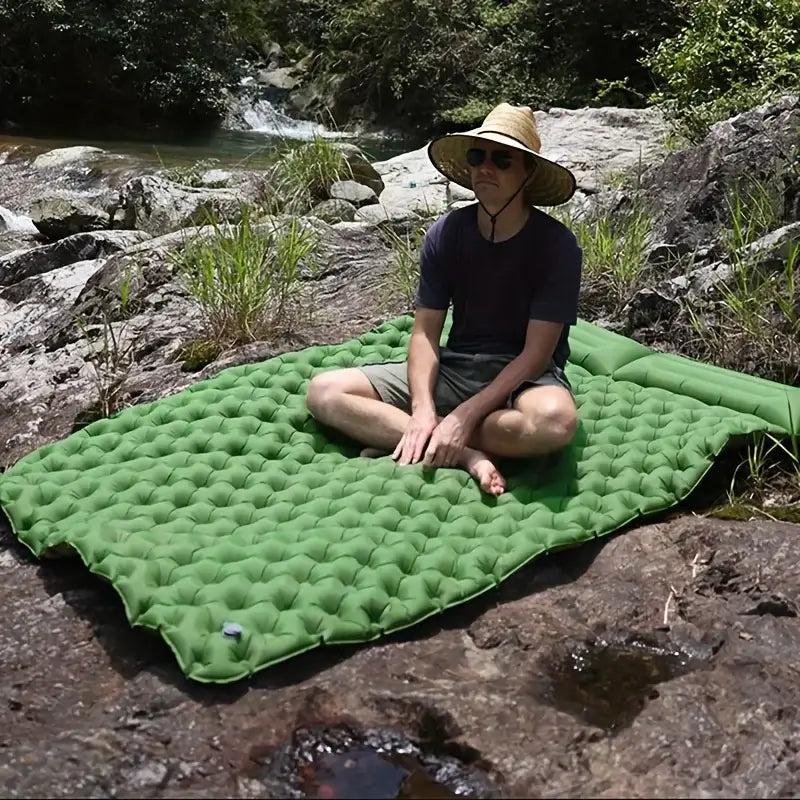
(512, 273)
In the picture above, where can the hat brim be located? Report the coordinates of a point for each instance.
(551, 184)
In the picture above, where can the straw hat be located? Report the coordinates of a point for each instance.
(513, 126)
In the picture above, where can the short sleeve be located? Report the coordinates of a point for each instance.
(555, 298)
(433, 290)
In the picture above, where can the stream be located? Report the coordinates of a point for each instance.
(270, 130)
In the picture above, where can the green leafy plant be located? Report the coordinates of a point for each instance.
(248, 280)
(403, 277)
(729, 56)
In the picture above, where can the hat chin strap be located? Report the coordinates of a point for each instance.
(493, 217)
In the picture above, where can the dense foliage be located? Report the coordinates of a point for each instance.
(444, 61)
(732, 55)
(416, 63)
(85, 64)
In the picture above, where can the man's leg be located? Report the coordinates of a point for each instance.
(543, 420)
(346, 400)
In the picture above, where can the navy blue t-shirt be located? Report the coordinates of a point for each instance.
(496, 288)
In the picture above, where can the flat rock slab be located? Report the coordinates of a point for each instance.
(516, 680)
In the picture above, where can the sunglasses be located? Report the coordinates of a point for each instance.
(500, 158)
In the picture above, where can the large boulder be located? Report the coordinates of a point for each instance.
(18, 265)
(360, 168)
(57, 216)
(63, 156)
(690, 189)
(159, 206)
(353, 192)
(597, 144)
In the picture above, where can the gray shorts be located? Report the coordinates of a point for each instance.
(461, 376)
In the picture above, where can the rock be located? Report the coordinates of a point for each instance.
(362, 170)
(334, 211)
(16, 223)
(17, 266)
(217, 178)
(158, 206)
(602, 144)
(481, 681)
(379, 212)
(272, 51)
(353, 192)
(63, 156)
(647, 308)
(57, 217)
(703, 280)
(597, 144)
(426, 201)
(690, 189)
(409, 170)
(773, 251)
(28, 308)
(282, 78)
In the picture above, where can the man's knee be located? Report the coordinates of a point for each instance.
(327, 388)
(549, 415)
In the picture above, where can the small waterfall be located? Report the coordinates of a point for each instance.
(250, 110)
(263, 117)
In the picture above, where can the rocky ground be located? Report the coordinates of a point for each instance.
(659, 662)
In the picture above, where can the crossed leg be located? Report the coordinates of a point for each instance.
(542, 421)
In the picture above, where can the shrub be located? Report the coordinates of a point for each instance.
(614, 256)
(754, 326)
(110, 345)
(401, 282)
(731, 55)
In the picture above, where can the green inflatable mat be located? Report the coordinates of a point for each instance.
(229, 522)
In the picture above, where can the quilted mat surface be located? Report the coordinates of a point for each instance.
(230, 523)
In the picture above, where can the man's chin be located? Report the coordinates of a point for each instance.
(489, 196)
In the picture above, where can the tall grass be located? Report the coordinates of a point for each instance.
(303, 174)
(614, 255)
(111, 350)
(401, 282)
(249, 282)
(754, 324)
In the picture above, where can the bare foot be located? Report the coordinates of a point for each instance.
(480, 466)
(374, 452)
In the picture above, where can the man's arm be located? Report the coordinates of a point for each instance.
(540, 342)
(423, 357)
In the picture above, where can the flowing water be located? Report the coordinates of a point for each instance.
(250, 149)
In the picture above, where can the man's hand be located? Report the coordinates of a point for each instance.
(449, 439)
(411, 446)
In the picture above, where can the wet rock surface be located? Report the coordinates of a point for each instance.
(566, 681)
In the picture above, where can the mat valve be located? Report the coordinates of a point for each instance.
(231, 629)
